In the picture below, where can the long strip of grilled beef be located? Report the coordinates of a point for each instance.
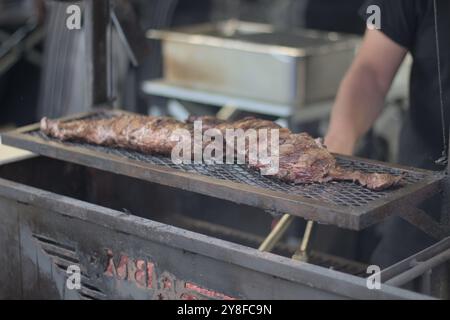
(141, 133)
(302, 159)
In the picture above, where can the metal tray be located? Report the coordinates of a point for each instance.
(343, 204)
(242, 59)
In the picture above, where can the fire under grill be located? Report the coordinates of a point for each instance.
(343, 204)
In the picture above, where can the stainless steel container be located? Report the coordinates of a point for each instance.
(252, 60)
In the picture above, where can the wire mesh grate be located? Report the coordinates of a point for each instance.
(345, 194)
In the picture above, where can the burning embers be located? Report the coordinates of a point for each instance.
(260, 144)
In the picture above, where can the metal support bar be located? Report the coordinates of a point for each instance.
(424, 222)
(226, 112)
(130, 33)
(276, 234)
(436, 281)
(445, 207)
(419, 269)
(301, 254)
(18, 44)
(97, 20)
(425, 283)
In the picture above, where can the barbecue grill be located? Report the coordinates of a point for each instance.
(93, 208)
(56, 214)
(342, 204)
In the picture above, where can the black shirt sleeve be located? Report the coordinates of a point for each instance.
(399, 19)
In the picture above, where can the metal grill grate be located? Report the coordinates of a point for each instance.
(345, 194)
(344, 204)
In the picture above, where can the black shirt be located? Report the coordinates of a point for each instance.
(332, 15)
(410, 23)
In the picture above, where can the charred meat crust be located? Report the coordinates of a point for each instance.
(302, 159)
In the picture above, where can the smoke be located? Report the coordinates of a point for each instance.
(283, 14)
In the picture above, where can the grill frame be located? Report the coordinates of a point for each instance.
(348, 217)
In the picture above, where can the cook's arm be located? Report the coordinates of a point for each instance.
(361, 95)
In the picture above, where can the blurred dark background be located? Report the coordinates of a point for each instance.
(35, 55)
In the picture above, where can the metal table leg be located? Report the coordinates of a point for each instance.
(301, 254)
(226, 112)
(276, 234)
(279, 230)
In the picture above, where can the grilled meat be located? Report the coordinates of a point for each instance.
(302, 159)
(306, 160)
(141, 133)
(208, 122)
(372, 181)
(247, 124)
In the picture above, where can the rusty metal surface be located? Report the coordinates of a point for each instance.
(127, 257)
(205, 215)
(343, 204)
